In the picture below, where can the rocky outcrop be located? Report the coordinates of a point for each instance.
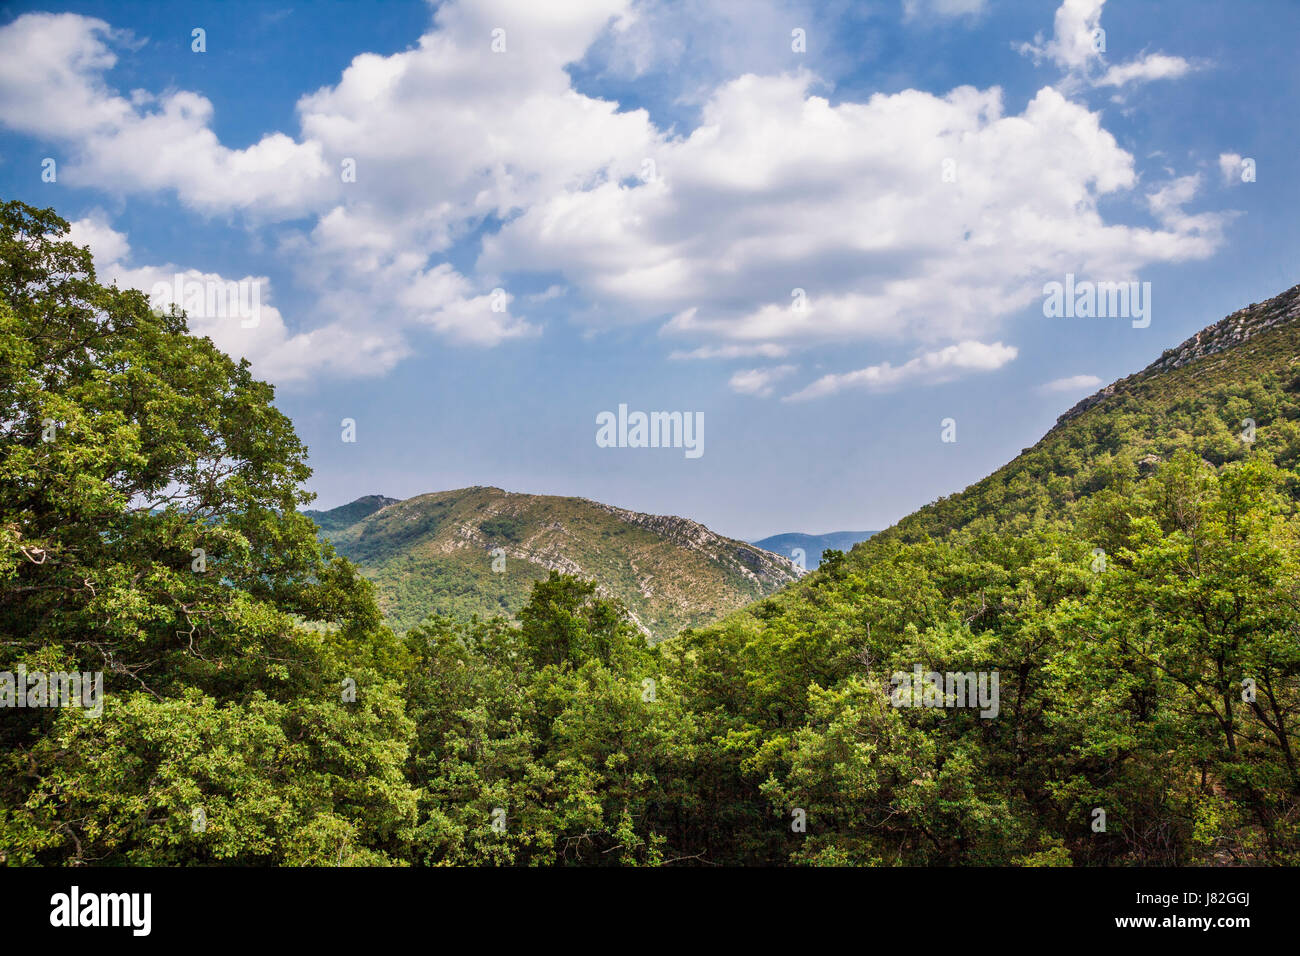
(1227, 333)
(762, 568)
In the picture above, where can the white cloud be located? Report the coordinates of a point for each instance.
(1155, 66)
(339, 349)
(1072, 383)
(56, 60)
(759, 381)
(442, 133)
(450, 132)
(1203, 232)
(52, 85)
(363, 269)
(107, 246)
(1078, 46)
(405, 119)
(769, 193)
(684, 49)
(370, 247)
(931, 368)
(1073, 46)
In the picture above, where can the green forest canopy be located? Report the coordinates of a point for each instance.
(1134, 581)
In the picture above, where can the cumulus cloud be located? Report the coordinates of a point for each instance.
(107, 246)
(363, 268)
(1073, 45)
(449, 133)
(370, 249)
(1078, 48)
(403, 119)
(237, 314)
(1072, 383)
(52, 85)
(769, 196)
(931, 368)
(758, 381)
(743, 237)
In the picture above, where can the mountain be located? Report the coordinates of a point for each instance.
(1238, 375)
(1126, 590)
(812, 545)
(436, 552)
(336, 519)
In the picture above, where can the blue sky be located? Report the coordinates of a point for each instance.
(669, 284)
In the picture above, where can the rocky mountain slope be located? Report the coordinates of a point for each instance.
(1236, 329)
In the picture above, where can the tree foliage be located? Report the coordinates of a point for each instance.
(149, 531)
(1133, 582)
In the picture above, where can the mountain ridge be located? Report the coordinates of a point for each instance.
(1232, 330)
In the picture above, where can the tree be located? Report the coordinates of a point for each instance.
(149, 532)
(553, 741)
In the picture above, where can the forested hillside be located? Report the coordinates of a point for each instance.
(1238, 376)
(1134, 580)
(1128, 590)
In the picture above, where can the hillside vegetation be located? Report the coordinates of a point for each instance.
(1133, 579)
(1198, 397)
(478, 552)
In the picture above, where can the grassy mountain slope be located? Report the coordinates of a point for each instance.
(812, 544)
(435, 552)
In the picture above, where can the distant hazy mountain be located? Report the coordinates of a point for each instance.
(812, 544)
(436, 552)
